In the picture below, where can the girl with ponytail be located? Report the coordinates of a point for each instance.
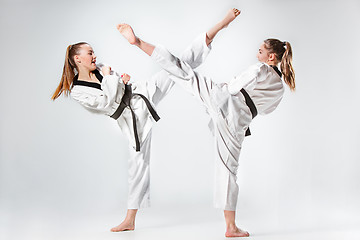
(100, 90)
(68, 70)
(231, 104)
(280, 52)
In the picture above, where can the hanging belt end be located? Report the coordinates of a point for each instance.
(247, 133)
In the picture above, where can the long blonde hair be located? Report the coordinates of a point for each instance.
(283, 53)
(68, 70)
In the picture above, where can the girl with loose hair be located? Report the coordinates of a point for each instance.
(231, 105)
(100, 90)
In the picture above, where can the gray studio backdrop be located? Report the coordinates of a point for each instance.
(299, 168)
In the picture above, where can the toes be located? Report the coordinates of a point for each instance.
(236, 11)
(121, 25)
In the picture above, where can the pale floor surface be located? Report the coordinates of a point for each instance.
(154, 225)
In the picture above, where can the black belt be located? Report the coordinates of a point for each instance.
(251, 106)
(125, 102)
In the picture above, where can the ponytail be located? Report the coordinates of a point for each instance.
(283, 53)
(287, 68)
(68, 71)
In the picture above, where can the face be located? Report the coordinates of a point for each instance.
(86, 58)
(263, 54)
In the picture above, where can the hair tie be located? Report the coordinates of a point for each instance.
(284, 43)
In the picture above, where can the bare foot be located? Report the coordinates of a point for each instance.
(124, 226)
(230, 16)
(236, 232)
(127, 32)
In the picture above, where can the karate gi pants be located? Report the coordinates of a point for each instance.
(228, 136)
(139, 169)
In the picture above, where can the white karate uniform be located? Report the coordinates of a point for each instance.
(105, 100)
(230, 116)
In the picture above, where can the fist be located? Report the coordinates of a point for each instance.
(106, 70)
(125, 78)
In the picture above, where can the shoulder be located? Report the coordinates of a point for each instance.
(254, 71)
(261, 67)
(258, 68)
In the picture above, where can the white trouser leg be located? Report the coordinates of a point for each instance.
(139, 176)
(227, 147)
(139, 172)
(193, 56)
(197, 52)
(183, 74)
(226, 165)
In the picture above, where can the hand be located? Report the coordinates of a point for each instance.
(106, 70)
(125, 78)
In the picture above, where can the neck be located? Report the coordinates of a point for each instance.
(84, 74)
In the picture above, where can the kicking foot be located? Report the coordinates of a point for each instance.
(127, 32)
(124, 226)
(230, 16)
(236, 232)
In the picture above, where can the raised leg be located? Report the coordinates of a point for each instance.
(128, 34)
(194, 55)
(229, 17)
(159, 86)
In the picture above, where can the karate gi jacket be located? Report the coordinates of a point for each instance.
(105, 98)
